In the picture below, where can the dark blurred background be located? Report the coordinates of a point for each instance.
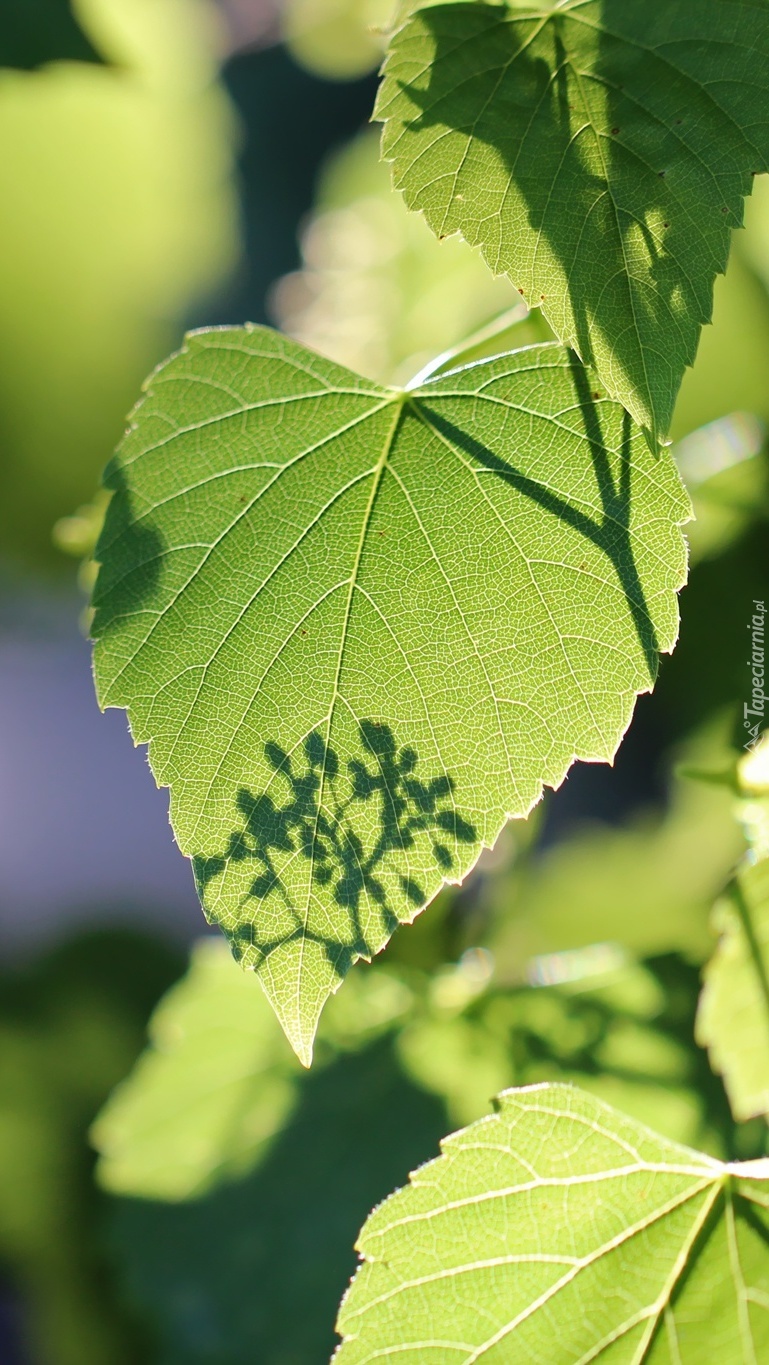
(171, 164)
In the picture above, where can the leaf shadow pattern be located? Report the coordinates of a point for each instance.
(611, 532)
(130, 552)
(317, 823)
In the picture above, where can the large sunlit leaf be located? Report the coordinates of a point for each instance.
(733, 1017)
(561, 1231)
(598, 151)
(361, 627)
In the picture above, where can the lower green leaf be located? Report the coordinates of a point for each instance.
(558, 1230)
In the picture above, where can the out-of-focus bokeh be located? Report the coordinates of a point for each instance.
(177, 163)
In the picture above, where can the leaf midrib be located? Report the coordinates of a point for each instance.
(397, 399)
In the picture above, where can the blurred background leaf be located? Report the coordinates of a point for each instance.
(733, 1014)
(338, 39)
(118, 216)
(33, 32)
(377, 291)
(70, 1027)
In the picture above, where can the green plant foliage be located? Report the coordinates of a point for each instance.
(618, 1028)
(254, 1269)
(212, 1089)
(360, 628)
(218, 1080)
(559, 1230)
(219, 1083)
(219, 1276)
(575, 145)
(733, 1019)
(70, 1028)
(94, 278)
(33, 32)
(228, 1162)
(729, 372)
(337, 39)
(648, 884)
(725, 469)
(377, 291)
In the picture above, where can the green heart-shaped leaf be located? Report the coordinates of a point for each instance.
(360, 627)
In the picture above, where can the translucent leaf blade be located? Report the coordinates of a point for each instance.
(560, 1230)
(361, 628)
(598, 152)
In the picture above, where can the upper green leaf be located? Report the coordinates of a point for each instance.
(360, 628)
(560, 1231)
(733, 1016)
(598, 152)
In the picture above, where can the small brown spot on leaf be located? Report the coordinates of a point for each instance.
(520, 291)
(596, 394)
(615, 131)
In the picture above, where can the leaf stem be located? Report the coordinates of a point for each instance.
(511, 316)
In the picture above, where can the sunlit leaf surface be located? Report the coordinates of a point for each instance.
(361, 627)
(560, 1230)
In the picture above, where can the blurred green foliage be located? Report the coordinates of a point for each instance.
(33, 32)
(649, 884)
(238, 1178)
(227, 1163)
(377, 291)
(232, 1184)
(338, 39)
(70, 1028)
(118, 214)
